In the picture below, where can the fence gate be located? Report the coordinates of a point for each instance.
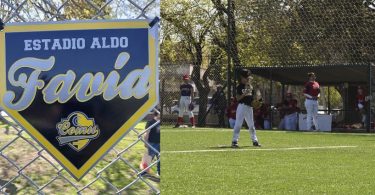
(25, 167)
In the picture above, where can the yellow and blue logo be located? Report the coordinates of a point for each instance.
(77, 131)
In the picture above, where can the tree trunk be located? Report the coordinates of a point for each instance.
(203, 101)
(202, 89)
(232, 36)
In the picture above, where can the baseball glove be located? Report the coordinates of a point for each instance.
(191, 106)
(256, 104)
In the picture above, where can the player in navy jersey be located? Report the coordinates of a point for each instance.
(153, 139)
(187, 96)
(245, 94)
(312, 94)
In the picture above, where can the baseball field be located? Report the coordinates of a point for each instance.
(200, 161)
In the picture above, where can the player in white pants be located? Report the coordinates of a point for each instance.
(361, 100)
(312, 94)
(187, 95)
(244, 109)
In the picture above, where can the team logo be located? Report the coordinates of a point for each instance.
(77, 131)
(247, 90)
(78, 87)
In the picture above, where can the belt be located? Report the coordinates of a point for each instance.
(312, 99)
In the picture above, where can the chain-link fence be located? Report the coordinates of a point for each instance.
(267, 33)
(25, 167)
(171, 78)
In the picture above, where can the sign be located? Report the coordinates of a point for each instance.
(77, 88)
(324, 122)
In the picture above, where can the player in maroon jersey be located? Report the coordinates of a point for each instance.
(290, 110)
(187, 96)
(361, 100)
(312, 94)
(231, 112)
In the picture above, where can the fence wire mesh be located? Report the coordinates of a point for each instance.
(25, 167)
(213, 37)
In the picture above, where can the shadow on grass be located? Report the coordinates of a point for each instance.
(229, 146)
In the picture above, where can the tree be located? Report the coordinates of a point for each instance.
(190, 22)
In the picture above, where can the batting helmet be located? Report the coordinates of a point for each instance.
(245, 73)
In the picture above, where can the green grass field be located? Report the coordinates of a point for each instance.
(200, 161)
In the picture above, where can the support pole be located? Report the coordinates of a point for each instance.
(229, 68)
(162, 99)
(368, 116)
(270, 99)
(1, 24)
(329, 100)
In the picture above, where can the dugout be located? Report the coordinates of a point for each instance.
(348, 76)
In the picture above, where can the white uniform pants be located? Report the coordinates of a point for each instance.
(244, 112)
(184, 106)
(312, 113)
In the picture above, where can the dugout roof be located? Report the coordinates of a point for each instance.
(326, 74)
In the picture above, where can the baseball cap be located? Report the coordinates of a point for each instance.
(245, 73)
(310, 74)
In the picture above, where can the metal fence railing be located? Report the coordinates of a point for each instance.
(25, 167)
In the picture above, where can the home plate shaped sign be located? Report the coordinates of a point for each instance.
(77, 88)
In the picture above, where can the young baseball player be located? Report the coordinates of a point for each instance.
(231, 112)
(312, 94)
(244, 95)
(187, 96)
(291, 112)
(153, 138)
(361, 100)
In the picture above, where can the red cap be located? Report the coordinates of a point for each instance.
(185, 77)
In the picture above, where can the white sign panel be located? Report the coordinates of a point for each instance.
(324, 122)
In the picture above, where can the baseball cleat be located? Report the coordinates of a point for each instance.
(256, 144)
(235, 145)
(177, 126)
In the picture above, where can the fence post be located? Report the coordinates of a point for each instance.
(368, 121)
(270, 98)
(229, 68)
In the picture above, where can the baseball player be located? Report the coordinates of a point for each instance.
(153, 139)
(186, 104)
(231, 112)
(290, 110)
(312, 94)
(244, 95)
(361, 100)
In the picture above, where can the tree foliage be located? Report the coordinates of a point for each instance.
(190, 32)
